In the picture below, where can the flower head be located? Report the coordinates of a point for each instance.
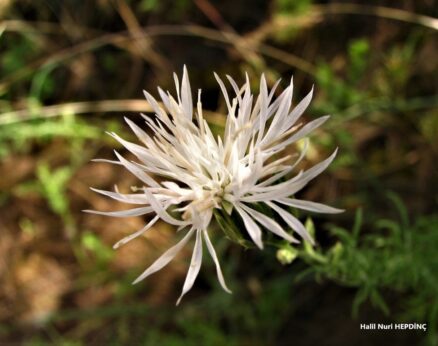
(202, 175)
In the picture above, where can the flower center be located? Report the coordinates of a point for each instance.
(200, 210)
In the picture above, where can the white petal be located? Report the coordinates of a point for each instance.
(141, 135)
(280, 190)
(292, 186)
(165, 258)
(318, 168)
(164, 98)
(287, 169)
(175, 78)
(303, 153)
(275, 177)
(293, 222)
(195, 266)
(136, 234)
(237, 91)
(159, 111)
(304, 131)
(276, 127)
(133, 198)
(158, 208)
(300, 107)
(138, 172)
(140, 151)
(122, 213)
(224, 92)
(269, 224)
(113, 162)
(186, 95)
(308, 205)
(216, 262)
(253, 229)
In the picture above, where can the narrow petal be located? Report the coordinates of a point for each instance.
(269, 224)
(164, 98)
(122, 213)
(159, 111)
(293, 222)
(158, 208)
(276, 128)
(290, 187)
(318, 168)
(280, 190)
(301, 107)
(141, 135)
(310, 206)
(132, 198)
(136, 234)
(304, 131)
(186, 95)
(275, 177)
(253, 229)
(237, 91)
(176, 80)
(113, 162)
(140, 151)
(137, 171)
(216, 262)
(288, 169)
(224, 92)
(195, 266)
(165, 258)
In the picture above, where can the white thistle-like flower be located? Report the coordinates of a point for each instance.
(201, 174)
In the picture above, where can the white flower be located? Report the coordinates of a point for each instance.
(200, 173)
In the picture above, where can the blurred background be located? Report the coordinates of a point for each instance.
(70, 70)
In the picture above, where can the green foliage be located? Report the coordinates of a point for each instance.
(290, 9)
(429, 127)
(194, 332)
(37, 341)
(216, 319)
(392, 78)
(149, 5)
(358, 55)
(344, 92)
(392, 256)
(53, 186)
(174, 9)
(19, 53)
(292, 6)
(43, 85)
(94, 244)
(18, 136)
